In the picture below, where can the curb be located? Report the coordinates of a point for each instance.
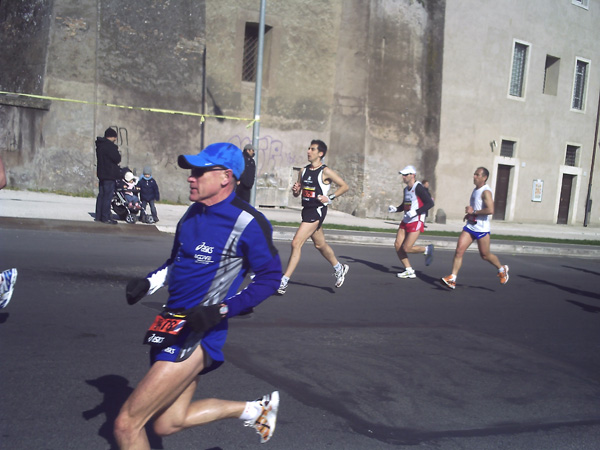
(574, 251)
(449, 245)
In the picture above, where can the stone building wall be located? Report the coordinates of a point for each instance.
(362, 76)
(125, 52)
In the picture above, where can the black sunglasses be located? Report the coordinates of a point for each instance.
(197, 172)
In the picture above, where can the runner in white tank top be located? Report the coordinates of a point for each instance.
(478, 216)
(479, 223)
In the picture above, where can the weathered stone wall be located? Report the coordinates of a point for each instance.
(386, 112)
(125, 52)
(362, 76)
(24, 29)
(298, 84)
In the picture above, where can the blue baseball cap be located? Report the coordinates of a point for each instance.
(219, 154)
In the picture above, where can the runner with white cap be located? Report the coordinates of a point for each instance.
(416, 203)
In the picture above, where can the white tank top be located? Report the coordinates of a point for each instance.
(412, 202)
(481, 223)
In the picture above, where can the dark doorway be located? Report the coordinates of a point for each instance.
(565, 199)
(501, 195)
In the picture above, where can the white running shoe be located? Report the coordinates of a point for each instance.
(503, 275)
(282, 287)
(340, 275)
(264, 424)
(9, 279)
(429, 255)
(408, 273)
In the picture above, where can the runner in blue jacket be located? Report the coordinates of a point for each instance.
(218, 241)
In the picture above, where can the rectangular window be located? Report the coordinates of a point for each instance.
(583, 3)
(551, 75)
(519, 65)
(579, 85)
(571, 155)
(251, 50)
(507, 148)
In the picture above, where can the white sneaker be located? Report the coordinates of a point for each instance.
(503, 275)
(264, 424)
(9, 279)
(340, 275)
(282, 287)
(408, 273)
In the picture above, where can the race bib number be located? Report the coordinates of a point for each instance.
(308, 192)
(164, 331)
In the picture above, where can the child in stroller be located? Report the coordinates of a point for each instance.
(126, 203)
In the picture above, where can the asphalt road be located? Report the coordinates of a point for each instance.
(380, 363)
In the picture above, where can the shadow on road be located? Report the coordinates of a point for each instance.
(581, 269)
(585, 307)
(569, 289)
(322, 288)
(116, 390)
(371, 264)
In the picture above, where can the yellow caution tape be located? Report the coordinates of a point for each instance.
(138, 108)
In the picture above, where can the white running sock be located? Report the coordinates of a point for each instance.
(251, 411)
(285, 279)
(337, 267)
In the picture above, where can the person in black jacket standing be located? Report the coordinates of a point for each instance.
(108, 171)
(247, 179)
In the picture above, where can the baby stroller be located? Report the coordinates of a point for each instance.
(120, 205)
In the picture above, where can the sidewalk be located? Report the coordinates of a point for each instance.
(37, 205)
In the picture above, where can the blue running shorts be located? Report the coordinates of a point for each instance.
(476, 234)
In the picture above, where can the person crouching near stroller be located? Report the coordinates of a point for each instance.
(148, 193)
(130, 190)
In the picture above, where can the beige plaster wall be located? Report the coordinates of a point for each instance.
(476, 108)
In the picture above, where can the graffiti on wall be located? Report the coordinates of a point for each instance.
(270, 157)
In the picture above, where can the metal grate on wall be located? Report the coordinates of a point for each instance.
(250, 52)
(571, 156)
(507, 149)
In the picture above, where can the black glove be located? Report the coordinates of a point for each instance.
(203, 318)
(136, 289)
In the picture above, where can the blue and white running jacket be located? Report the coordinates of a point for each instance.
(214, 248)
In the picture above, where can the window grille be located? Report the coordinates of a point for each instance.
(507, 149)
(579, 84)
(517, 77)
(571, 156)
(251, 51)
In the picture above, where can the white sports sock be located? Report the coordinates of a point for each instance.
(285, 279)
(251, 411)
(337, 267)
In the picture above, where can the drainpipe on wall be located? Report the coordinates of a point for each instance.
(202, 108)
(258, 87)
(588, 199)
